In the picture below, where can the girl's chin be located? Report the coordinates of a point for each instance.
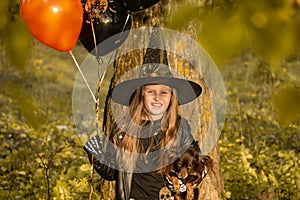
(157, 111)
(156, 115)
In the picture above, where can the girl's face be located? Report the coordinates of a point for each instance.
(157, 99)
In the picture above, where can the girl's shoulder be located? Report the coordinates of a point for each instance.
(183, 121)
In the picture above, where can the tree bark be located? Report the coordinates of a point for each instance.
(212, 185)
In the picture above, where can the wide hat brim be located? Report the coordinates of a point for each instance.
(186, 90)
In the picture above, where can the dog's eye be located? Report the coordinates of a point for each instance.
(190, 166)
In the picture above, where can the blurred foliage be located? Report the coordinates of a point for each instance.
(14, 35)
(287, 103)
(255, 43)
(270, 29)
(259, 146)
(41, 155)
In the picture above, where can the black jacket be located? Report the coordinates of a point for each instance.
(123, 179)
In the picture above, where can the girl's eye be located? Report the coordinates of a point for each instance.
(149, 91)
(164, 92)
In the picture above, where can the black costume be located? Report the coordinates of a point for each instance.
(125, 180)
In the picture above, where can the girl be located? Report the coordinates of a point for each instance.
(153, 137)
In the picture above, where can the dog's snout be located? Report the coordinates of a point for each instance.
(183, 173)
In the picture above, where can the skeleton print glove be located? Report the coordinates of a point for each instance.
(94, 146)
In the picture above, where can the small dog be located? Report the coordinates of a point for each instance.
(190, 169)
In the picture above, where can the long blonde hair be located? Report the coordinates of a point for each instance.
(129, 146)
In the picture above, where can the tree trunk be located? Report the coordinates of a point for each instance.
(212, 185)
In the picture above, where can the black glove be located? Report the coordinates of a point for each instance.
(94, 146)
(104, 156)
(103, 151)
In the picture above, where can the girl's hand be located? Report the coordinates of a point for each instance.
(94, 146)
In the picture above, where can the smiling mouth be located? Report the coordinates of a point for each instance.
(157, 105)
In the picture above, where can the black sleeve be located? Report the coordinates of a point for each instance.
(102, 156)
(183, 140)
(185, 133)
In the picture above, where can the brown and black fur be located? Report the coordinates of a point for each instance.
(191, 167)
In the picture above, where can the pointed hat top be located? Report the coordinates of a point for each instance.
(155, 57)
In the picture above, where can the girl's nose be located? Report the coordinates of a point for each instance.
(156, 97)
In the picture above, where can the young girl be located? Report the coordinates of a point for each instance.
(153, 137)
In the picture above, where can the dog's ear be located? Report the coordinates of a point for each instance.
(195, 146)
(207, 160)
(207, 163)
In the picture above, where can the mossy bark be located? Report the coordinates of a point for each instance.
(212, 186)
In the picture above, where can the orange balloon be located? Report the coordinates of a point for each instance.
(55, 23)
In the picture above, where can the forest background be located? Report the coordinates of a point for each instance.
(254, 43)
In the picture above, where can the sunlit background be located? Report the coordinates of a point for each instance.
(255, 44)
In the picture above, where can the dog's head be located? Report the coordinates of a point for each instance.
(185, 164)
(193, 165)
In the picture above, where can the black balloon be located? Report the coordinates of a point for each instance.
(109, 18)
(137, 5)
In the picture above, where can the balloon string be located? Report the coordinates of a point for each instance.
(125, 24)
(96, 101)
(95, 42)
(91, 179)
(84, 79)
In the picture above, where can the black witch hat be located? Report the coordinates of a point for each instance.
(156, 70)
